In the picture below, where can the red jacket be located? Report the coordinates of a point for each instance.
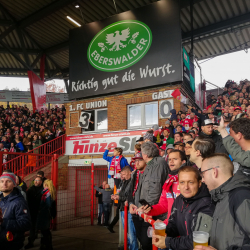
(166, 201)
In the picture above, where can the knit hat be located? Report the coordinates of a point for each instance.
(167, 122)
(155, 127)
(148, 136)
(10, 176)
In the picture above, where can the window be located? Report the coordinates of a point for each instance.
(98, 120)
(142, 115)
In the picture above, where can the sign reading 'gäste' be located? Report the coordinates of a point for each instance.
(127, 51)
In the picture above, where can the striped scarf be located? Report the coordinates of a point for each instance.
(45, 194)
(115, 167)
(137, 181)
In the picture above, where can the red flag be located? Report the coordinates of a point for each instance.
(176, 94)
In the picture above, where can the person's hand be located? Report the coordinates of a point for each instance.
(221, 126)
(108, 149)
(100, 193)
(140, 209)
(132, 209)
(159, 241)
(147, 209)
(199, 247)
(116, 197)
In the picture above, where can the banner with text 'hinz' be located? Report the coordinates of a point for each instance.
(131, 50)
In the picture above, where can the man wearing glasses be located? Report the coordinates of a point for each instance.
(231, 219)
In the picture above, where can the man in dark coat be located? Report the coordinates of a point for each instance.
(14, 214)
(208, 132)
(192, 211)
(34, 195)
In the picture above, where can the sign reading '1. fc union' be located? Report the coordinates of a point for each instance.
(130, 50)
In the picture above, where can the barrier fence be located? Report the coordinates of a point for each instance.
(76, 202)
(24, 164)
(147, 219)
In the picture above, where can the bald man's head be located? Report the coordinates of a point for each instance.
(216, 169)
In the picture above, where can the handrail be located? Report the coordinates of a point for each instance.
(35, 159)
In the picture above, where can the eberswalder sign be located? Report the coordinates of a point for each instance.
(134, 49)
(98, 143)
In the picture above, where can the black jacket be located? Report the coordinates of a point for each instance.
(34, 195)
(99, 196)
(183, 220)
(124, 193)
(219, 147)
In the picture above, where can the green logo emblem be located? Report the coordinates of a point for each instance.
(119, 45)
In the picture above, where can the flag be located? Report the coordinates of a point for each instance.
(179, 96)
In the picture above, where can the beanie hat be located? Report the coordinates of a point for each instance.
(148, 136)
(10, 176)
(155, 127)
(167, 122)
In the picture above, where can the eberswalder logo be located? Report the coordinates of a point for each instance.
(119, 45)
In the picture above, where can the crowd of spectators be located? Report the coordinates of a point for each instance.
(21, 130)
(190, 175)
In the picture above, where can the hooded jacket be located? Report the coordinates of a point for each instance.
(219, 147)
(173, 116)
(188, 215)
(16, 219)
(231, 219)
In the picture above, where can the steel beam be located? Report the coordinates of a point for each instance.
(229, 23)
(44, 12)
(186, 3)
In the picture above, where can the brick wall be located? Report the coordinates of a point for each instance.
(117, 108)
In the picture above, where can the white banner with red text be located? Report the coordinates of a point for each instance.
(98, 143)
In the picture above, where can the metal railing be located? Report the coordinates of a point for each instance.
(26, 163)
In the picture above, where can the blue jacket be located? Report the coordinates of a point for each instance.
(123, 162)
(16, 219)
(20, 146)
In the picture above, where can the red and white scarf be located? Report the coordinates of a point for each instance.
(169, 182)
(45, 195)
(137, 181)
(115, 167)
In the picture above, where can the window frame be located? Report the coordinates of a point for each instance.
(95, 122)
(143, 117)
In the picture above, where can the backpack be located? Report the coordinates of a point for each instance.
(53, 210)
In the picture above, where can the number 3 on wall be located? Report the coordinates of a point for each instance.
(165, 107)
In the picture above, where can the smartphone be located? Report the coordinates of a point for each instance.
(145, 203)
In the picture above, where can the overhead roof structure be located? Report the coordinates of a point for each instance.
(29, 29)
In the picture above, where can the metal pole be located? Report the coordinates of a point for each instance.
(55, 173)
(92, 195)
(192, 30)
(126, 226)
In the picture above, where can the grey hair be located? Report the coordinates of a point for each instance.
(150, 149)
